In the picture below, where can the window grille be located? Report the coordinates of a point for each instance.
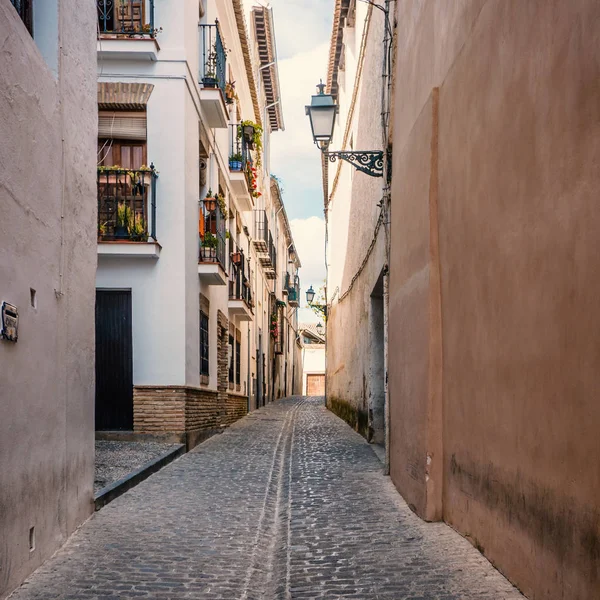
(238, 362)
(204, 344)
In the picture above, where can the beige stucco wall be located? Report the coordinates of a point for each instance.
(515, 184)
(47, 377)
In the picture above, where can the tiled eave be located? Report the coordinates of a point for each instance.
(264, 32)
(335, 49)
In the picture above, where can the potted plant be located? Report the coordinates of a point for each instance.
(101, 230)
(210, 201)
(235, 162)
(251, 132)
(230, 92)
(137, 228)
(236, 258)
(123, 220)
(222, 205)
(209, 246)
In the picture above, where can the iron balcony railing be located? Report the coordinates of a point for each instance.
(239, 283)
(240, 156)
(213, 59)
(292, 285)
(277, 332)
(126, 204)
(129, 18)
(212, 239)
(263, 242)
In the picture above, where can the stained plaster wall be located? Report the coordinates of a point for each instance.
(47, 377)
(493, 376)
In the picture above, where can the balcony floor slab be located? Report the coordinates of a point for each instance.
(127, 249)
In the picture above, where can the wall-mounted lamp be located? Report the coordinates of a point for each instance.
(322, 112)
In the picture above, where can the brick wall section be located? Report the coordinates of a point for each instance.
(159, 409)
(181, 409)
(236, 408)
(201, 410)
(222, 362)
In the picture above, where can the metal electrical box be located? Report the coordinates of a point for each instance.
(10, 322)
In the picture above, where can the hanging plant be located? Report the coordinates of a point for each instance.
(252, 133)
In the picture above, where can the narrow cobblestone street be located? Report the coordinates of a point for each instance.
(287, 503)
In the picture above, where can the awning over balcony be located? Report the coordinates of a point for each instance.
(123, 96)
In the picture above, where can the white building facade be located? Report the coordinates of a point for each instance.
(187, 281)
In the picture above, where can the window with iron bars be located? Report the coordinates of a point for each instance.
(24, 10)
(204, 349)
(232, 361)
(238, 363)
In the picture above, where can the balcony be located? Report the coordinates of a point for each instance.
(212, 76)
(292, 288)
(127, 212)
(211, 243)
(263, 243)
(242, 173)
(240, 294)
(278, 327)
(126, 29)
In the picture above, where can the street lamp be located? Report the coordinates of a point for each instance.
(310, 296)
(321, 113)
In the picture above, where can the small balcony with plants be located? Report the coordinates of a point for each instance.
(241, 302)
(292, 289)
(245, 144)
(263, 243)
(212, 240)
(127, 212)
(277, 327)
(212, 76)
(126, 29)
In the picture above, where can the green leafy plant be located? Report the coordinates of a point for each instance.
(123, 215)
(102, 229)
(256, 138)
(209, 240)
(137, 227)
(222, 205)
(237, 157)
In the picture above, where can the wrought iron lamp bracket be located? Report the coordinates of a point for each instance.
(369, 161)
(321, 308)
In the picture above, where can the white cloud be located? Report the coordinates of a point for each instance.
(309, 237)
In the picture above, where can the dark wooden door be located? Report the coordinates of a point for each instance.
(114, 361)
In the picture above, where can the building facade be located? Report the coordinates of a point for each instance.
(355, 204)
(313, 359)
(493, 359)
(47, 266)
(188, 255)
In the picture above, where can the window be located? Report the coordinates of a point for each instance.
(204, 346)
(23, 8)
(122, 139)
(231, 358)
(238, 363)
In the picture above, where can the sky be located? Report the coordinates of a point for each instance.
(302, 33)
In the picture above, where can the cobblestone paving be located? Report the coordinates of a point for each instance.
(287, 503)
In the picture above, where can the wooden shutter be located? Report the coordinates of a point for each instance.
(122, 126)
